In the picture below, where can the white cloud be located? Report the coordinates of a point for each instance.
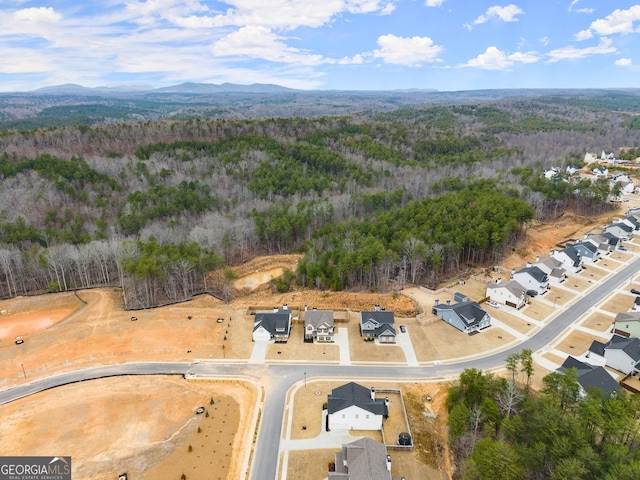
(579, 10)
(545, 41)
(506, 14)
(434, 3)
(620, 21)
(38, 15)
(623, 62)
(411, 51)
(495, 59)
(261, 42)
(568, 53)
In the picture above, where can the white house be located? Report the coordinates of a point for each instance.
(572, 170)
(509, 293)
(623, 354)
(620, 230)
(272, 325)
(601, 172)
(590, 157)
(553, 268)
(354, 407)
(532, 278)
(624, 182)
(551, 173)
(569, 257)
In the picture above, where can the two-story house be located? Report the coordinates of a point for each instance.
(378, 324)
(318, 325)
(532, 278)
(274, 325)
(354, 407)
(509, 293)
(468, 317)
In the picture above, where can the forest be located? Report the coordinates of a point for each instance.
(500, 428)
(373, 200)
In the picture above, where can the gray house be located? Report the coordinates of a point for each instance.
(569, 257)
(591, 376)
(468, 317)
(587, 250)
(318, 325)
(378, 324)
(364, 459)
(553, 268)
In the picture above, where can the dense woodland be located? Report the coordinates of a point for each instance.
(374, 200)
(500, 429)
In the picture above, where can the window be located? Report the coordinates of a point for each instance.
(344, 416)
(357, 416)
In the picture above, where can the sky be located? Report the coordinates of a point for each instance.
(446, 45)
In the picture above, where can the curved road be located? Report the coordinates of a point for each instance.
(281, 377)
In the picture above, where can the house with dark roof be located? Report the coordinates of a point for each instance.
(602, 242)
(509, 293)
(378, 324)
(614, 241)
(588, 251)
(532, 278)
(553, 268)
(632, 221)
(627, 324)
(620, 230)
(363, 459)
(569, 257)
(623, 354)
(468, 317)
(318, 325)
(274, 325)
(591, 376)
(354, 407)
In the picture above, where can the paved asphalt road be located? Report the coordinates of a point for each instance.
(281, 377)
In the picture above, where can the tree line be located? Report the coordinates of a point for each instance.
(500, 428)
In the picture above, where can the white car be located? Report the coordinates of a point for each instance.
(493, 304)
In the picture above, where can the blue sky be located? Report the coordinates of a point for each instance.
(329, 44)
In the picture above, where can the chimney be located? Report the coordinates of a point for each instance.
(437, 302)
(386, 402)
(552, 253)
(498, 281)
(537, 258)
(305, 307)
(529, 265)
(373, 393)
(275, 309)
(448, 302)
(383, 309)
(513, 271)
(376, 308)
(285, 307)
(389, 462)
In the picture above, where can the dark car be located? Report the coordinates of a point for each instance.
(532, 293)
(635, 292)
(403, 329)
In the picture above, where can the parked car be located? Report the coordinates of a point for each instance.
(493, 304)
(635, 291)
(623, 248)
(532, 293)
(19, 340)
(403, 329)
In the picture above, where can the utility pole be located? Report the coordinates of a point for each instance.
(23, 372)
